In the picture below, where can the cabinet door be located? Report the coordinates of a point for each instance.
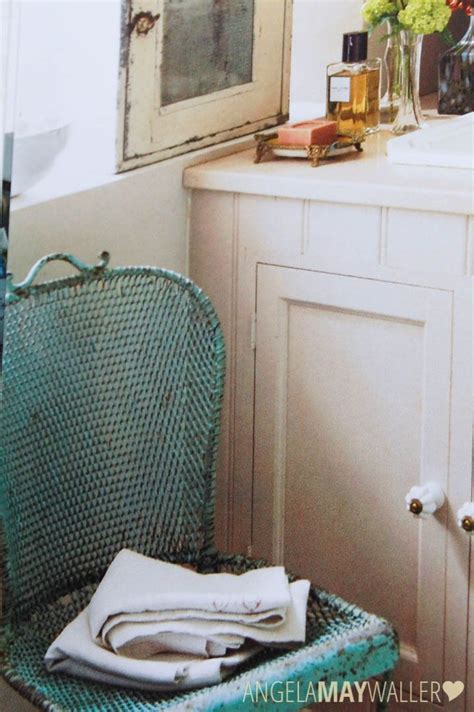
(352, 409)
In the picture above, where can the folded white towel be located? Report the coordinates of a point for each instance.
(136, 583)
(155, 625)
(149, 634)
(75, 653)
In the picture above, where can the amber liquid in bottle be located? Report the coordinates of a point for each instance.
(354, 97)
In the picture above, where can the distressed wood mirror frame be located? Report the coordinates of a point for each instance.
(199, 72)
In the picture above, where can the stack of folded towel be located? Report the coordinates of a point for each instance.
(158, 626)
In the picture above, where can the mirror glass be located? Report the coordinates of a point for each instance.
(207, 47)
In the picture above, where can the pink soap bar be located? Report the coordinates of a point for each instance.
(306, 133)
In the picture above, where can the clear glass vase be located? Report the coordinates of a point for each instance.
(409, 115)
(391, 99)
(456, 76)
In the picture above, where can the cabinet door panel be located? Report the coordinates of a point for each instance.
(352, 409)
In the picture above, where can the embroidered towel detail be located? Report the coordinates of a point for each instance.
(123, 632)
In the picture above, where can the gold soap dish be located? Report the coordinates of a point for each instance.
(268, 145)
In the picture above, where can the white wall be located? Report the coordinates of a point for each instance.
(318, 26)
(140, 217)
(139, 220)
(67, 63)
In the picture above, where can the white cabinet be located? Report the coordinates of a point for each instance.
(349, 340)
(351, 410)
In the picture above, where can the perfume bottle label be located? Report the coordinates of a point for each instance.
(340, 89)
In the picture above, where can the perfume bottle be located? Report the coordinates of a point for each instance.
(353, 88)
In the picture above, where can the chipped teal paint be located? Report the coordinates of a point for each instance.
(21, 289)
(97, 424)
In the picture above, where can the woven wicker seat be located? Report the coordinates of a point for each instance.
(112, 388)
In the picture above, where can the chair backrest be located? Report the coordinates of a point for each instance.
(112, 386)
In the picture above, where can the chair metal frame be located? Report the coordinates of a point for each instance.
(78, 352)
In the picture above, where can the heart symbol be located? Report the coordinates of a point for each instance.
(453, 689)
(251, 606)
(220, 605)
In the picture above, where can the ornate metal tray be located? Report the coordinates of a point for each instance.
(267, 145)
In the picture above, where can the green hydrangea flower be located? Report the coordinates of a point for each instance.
(425, 16)
(375, 11)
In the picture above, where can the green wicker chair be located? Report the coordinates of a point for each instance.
(112, 389)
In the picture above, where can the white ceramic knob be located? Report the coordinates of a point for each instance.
(466, 517)
(425, 499)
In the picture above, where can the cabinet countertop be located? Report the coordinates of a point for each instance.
(366, 178)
